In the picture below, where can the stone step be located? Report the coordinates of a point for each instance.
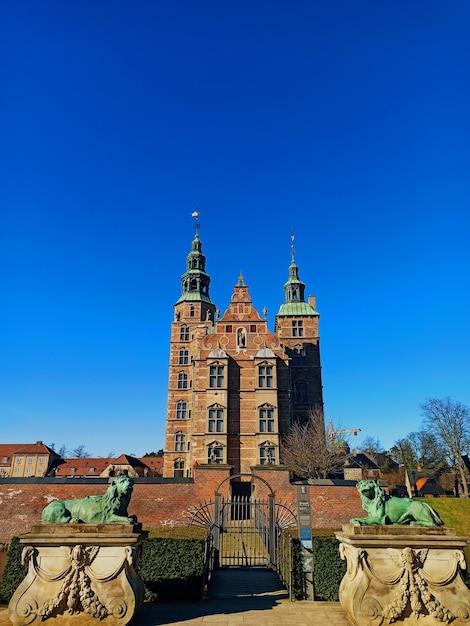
(245, 582)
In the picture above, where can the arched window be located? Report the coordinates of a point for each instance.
(183, 356)
(178, 468)
(182, 380)
(180, 439)
(184, 333)
(300, 392)
(241, 337)
(266, 419)
(181, 410)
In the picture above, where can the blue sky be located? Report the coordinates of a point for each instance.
(345, 121)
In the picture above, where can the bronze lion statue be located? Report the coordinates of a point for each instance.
(109, 508)
(384, 509)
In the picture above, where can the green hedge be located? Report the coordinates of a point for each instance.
(329, 569)
(14, 571)
(172, 569)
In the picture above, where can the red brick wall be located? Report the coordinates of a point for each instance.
(168, 502)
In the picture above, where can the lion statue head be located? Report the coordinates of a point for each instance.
(372, 496)
(117, 497)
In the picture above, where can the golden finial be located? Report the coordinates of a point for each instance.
(195, 214)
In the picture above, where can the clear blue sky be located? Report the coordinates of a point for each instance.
(347, 122)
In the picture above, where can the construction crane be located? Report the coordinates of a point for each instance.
(330, 432)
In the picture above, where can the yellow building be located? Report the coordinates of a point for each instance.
(234, 386)
(26, 460)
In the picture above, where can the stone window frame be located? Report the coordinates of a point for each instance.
(183, 356)
(184, 332)
(265, 375)
(266, 418)
(267, 453)
(180, 441)
(181, 410)
(178, 466)
(217, 420)
(216, 373)
(297, 328)
(215, 447)
(182, 380)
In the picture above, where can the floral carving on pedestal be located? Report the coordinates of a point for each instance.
(75, 594)
(413, 588)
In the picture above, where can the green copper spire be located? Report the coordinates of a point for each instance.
(195, 281)
(294, 290)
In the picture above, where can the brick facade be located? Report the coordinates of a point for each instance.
(234, 386)
(169, 502)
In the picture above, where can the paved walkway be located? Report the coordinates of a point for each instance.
(238, 597)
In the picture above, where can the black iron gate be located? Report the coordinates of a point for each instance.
(246, 531)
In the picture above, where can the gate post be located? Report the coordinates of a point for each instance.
(272, 531)
(217, 529)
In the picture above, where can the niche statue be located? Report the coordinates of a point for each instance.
(109, 508)
(384, 509)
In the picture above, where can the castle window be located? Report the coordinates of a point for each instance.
(181, 410)
(216, 420)
(267, 454)
(253, 328)
(228, 329)
(266, 419)
(28, 470)
(178, 468)
(214, 453)
(183, 356)
(30, 459)
(184, 333)
(5, 459)
(297, 328)
(265, 376)
(216, 376)
(180, 442)
(182, 380)
(41, 460)
(299, 355)
(19, 459)
(300, 391)
(191, 310)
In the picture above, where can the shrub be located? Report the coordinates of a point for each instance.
(172, 568)
(14, 571)
(329, 569)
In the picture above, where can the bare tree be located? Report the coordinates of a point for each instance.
(80, 453)
(449, 421)
(420, 450)
(308, 452)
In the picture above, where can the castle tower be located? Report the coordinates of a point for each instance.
(234, 386)
(296, 324)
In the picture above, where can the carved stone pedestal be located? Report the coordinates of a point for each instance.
(79, 574)
(403, 575)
